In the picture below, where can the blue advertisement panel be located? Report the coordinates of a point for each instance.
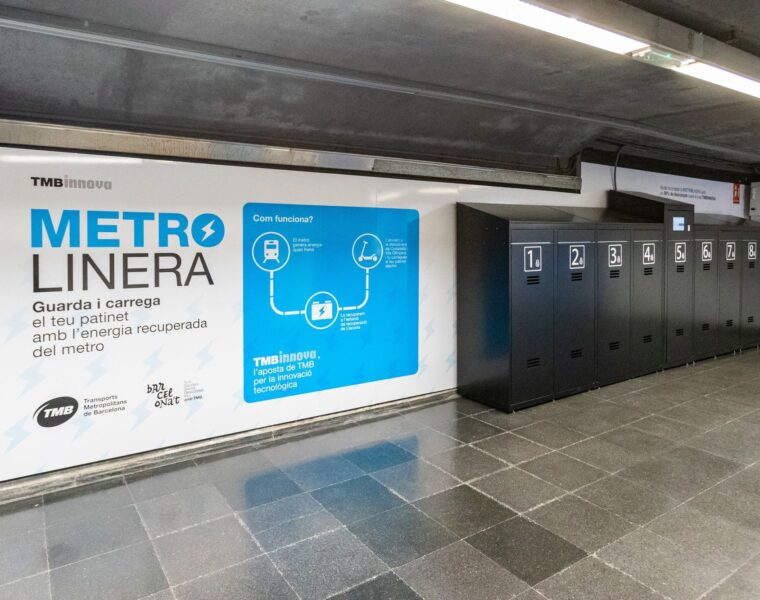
(330, 297)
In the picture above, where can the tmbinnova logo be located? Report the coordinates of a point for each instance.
(71, 182)
(56, 411)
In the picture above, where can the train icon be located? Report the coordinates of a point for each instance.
(272, 250)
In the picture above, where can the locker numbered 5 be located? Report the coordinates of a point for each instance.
(680, 252)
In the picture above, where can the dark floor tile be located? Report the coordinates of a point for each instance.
(402, 535)
(460, 572)
(467, 429)
(21, 516)
(530, 594)
(726, 504)
(466, 463)
(426, 442)
(517, 489)
(600, 418)
(742, 585)
(581, 401)
(721, 406)
(582, 523)
(551, 411)
(601, 454)
(563, 471)
(384, 587)
(22, 555)
(234, 464)
(464, 510)
(638, 443)
(590, 579)
(321, 472)
(695, 417)
(104, 531)
(622, 388)
(204, 548)
(550, 434)
(628, 500)
(675, 571)
(182, 509)
(657, 398)
(325, 565)
(512, 448)
(254, 490)
(379, 456)
(737, 441)
(415, 479)
(126, 574)
(31, 588)
(161, 481)
(291, 532)
(506, 421)
(266, 516)
(746, 480)
(527, 550)
(85, 500)
(254, 579)
(435, 415)
(666, 428)
(166, 594)
(357, 499)
(680, 473)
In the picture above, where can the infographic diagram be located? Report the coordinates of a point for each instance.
(330, 297)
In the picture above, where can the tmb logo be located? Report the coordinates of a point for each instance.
(56, 411)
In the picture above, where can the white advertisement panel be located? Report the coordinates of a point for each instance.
(149, 303)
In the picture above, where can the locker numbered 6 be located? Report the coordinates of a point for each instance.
(707, 251)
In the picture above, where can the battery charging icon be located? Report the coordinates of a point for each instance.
(321, 311)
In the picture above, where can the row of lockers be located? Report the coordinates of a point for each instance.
(552, 302)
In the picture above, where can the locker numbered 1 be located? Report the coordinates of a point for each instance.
(532, 259)
(730, 251)
(707, 251)
(577, 257)
(615, 255)
(752, 250)
(648, 254)
(680, 254)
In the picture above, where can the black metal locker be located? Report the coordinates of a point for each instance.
(532, 290)
(729, 291)
(705, 291)
(750, 304)
(647, 344)
(613, 302)
(575, 311)
(679, 291)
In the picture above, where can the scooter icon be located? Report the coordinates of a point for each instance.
(364, 257)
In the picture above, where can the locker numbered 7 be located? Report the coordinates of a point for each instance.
(532, 259)
(730, 251)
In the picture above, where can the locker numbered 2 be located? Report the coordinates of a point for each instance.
(532, 259)
(648, 254)
(680, 252)
(707, 251)
(730, 251)
(615, 255)
(577, 257)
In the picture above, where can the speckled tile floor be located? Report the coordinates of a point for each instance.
(647, 489)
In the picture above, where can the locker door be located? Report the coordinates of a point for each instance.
(613, 305)
(532, 288)
(680, 301)
(706, 296)
(575, 313)
(647, 284)
(729, 293)
(750, 291)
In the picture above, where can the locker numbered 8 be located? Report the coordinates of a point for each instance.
(752, 250)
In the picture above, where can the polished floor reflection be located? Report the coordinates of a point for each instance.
(647, 489)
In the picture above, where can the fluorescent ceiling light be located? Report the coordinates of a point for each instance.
(721, 77)
(74, 160)
(554, 23)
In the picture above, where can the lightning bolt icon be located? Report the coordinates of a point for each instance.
(208, 229)
(322, 311)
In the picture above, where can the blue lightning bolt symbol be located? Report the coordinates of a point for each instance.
(153, 362)
(208, 229)
(322, 311)
(17, 433)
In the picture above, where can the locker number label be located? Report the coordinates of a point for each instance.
(648, 254)
(730, 251)
(706, 251)
(577, 257)
(615, 255)
(533, 259)
(752, 250)
(680, 252)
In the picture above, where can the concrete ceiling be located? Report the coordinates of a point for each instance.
(493, 93)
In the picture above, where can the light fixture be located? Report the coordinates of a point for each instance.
(548, 21)
(555, 23)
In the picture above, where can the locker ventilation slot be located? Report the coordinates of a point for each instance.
(730, 323)
(706, 267)
(680, 268)
(534, 279)
(533, 362)
(705, 327)
(752, 265)
(648, 270)
(577, 353)
(647, 339)
(615, 274)
(679, 332)
(750, 319)
(576, 277)
(614, 345)
(729, 266)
